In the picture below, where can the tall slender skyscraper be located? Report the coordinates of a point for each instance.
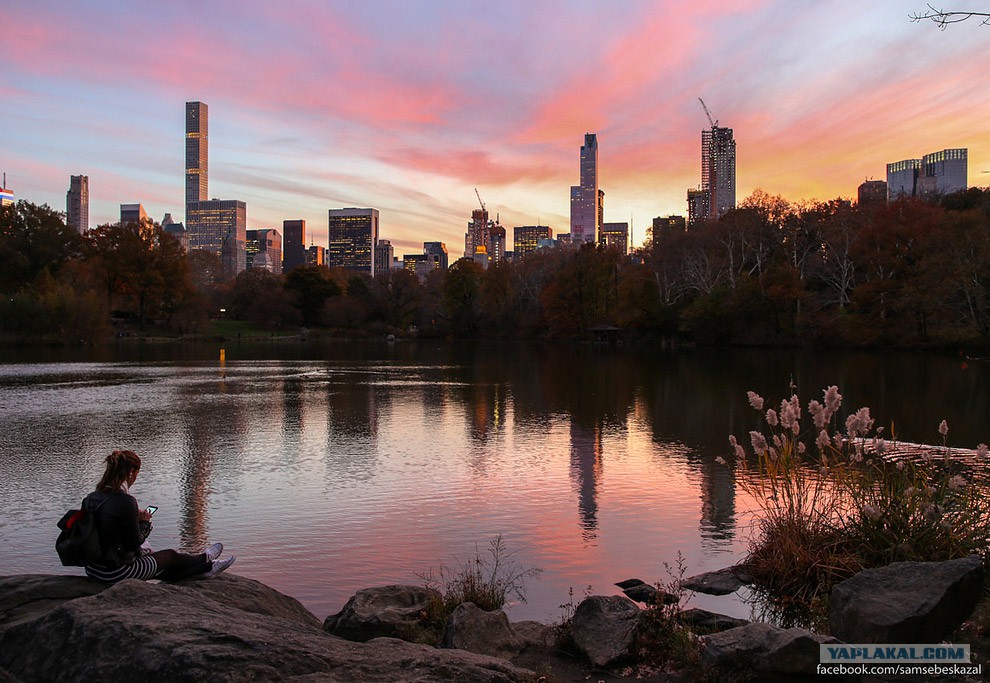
(718, 169)
(586, 198)
(215, 225)
(77, 203)
(197, 152)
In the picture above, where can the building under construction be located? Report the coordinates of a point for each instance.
(717, 195)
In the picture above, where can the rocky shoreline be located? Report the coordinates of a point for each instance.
(231, 628)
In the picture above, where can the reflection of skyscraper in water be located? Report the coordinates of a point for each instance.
(353, 413)
(206, 435)
(487, 406)
(586, 471)
(194, 487)
(718, 505)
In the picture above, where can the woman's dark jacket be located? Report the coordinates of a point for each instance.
(121, 532)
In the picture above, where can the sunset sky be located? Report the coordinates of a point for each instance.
(408, 105)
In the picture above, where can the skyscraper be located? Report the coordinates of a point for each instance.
(132, 213)
(663, 225)
(945, 172)
(197, 153)
(219, 226)
(352, 235)
(264, 250)
(871, 192)
(384, 255)
(615, 235)
(935, 174)
(718, 169)
(439, 251)
(902, 178)
(525, 238)
(699, 206)
(214, 225)
(77, 203)
(476, 238)
(293, 244)
(586, 198)
(496, 243)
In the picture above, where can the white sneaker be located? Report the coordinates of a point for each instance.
(213, 552)
(219, 566)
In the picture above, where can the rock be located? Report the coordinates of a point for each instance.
(640, 591)
(764, 649)
(736, 647)
(906, 602)
(387, 611)
(793, 652)
(23, 598)
(533, 633)
(603, 628)
(629, 583)
(485, 633)
(721, 582)
(227, 628)
(702, 621)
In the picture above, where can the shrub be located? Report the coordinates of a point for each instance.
(833, 504)
(661, 639)
(488, 580)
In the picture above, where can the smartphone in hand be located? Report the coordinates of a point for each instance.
(152, 509)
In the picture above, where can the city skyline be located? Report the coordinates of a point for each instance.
(408, 107)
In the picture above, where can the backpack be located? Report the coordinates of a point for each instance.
(78, 542)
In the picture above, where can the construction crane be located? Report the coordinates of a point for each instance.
(479, 200)
(707, 113)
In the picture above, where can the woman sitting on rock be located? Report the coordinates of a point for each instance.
(123, 529)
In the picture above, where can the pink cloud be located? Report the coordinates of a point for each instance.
(475, 166)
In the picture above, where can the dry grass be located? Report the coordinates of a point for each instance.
(827, 514)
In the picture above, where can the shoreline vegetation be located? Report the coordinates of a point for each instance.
(908, 274)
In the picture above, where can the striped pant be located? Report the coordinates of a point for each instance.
(143, 567)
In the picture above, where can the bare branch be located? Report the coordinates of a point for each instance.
(941, 18)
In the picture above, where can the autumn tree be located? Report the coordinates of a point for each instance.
(260, 296)
(141, 267)
(311, 286)
(399, 296)
(33, 239)
(460, 304)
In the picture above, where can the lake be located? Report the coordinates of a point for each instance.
(331, 467)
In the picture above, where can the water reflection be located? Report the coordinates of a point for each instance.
(600, 465)
(586, 470)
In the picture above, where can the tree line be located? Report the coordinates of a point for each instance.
(771, 272)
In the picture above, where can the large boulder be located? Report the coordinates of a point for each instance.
(23, 598)
(476, 630)
(388, 611)
(604, 626)
(771, 652)
(227, 628)
(906, 602)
